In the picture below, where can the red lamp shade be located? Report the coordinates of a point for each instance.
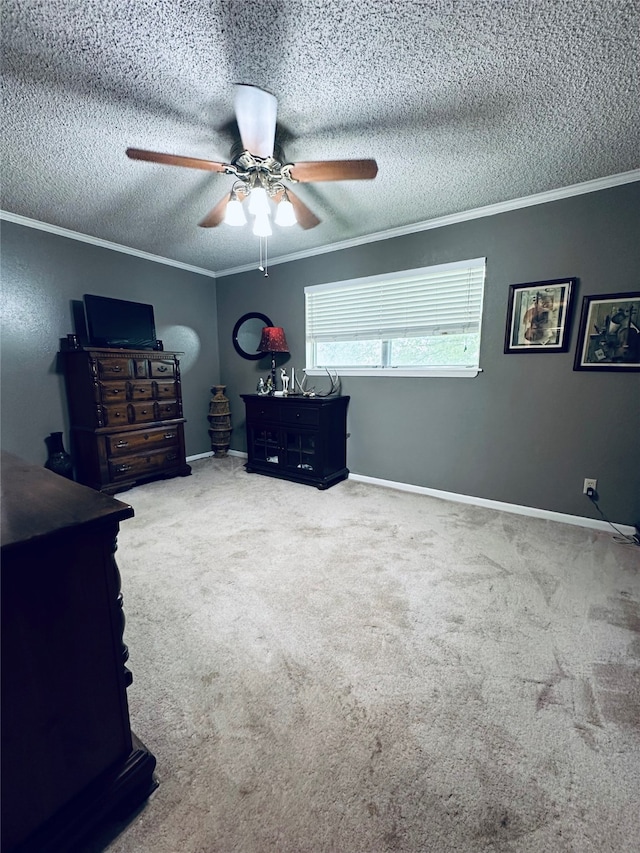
(273, 340)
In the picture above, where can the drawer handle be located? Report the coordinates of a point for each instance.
(122, 468)
(169, 435)
(171, 456)
(162, 368)
(122, 443)
(144, 411)
(115, 368)
(115, 391)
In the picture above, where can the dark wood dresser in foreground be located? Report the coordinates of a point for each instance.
(69, 758)
(126, 416)
(298, 438)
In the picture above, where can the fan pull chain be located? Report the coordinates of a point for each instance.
(264, 264)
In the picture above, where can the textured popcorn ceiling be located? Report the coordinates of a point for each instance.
(463, 104)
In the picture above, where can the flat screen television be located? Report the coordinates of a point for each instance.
(119, 323)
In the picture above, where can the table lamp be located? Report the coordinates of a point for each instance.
(272, 341)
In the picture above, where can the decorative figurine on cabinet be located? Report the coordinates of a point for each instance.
(285, 381)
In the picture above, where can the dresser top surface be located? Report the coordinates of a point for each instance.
(116, 352)
(295, 399)
(37, 502)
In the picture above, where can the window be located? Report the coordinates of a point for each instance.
(423, 322)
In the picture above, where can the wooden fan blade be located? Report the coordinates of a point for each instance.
(335, 170)
(306, 218)
(256, 112)
(215, 216)
(175, 160)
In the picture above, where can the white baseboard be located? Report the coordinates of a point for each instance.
(533, 512)
(210, 453)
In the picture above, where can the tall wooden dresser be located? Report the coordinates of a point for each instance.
(126, 416)
(68, 757)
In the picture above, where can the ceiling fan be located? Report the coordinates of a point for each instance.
(256, 163)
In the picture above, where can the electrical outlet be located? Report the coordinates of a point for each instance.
(589, 484)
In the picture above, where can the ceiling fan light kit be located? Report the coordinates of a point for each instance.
(259, 206)
(259, 176)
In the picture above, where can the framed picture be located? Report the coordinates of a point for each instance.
(609, 334)
(538, 316)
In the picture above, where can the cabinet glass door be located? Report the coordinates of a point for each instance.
(300, 451)
(265, 445)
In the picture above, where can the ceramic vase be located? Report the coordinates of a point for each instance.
(58, 461)
(220, 421)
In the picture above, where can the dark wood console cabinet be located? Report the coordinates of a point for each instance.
(69, 758)
(298, 438)
(126, 416)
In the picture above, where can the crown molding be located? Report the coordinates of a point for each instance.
(97, 241)
(439, 222)
(453, 218)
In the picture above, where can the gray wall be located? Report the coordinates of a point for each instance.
(528, 429)
(42, 275)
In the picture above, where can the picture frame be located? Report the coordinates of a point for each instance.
(539, 316)
(609, 333)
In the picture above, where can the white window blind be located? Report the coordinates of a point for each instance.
(420, 303)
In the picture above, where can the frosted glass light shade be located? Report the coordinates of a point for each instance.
(285, 214)
(262, 226)
(259, 202)
(234, 214)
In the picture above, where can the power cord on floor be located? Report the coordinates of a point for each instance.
(621, 538)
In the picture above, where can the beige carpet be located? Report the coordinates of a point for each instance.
(365, 670)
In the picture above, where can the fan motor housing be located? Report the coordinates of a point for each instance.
(237, 149)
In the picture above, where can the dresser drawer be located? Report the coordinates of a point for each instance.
(260, 410)
(140, 390)
(134, 442)
(116, 415)
(165, 390)
(142, 412)
(300, 415)
(113, 392)
(129, 467)
(110, 368)
(167, 410)
(161, 368)
(140, 368)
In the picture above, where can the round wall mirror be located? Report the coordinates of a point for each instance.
(247, 333)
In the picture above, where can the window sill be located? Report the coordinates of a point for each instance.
(436, 372)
